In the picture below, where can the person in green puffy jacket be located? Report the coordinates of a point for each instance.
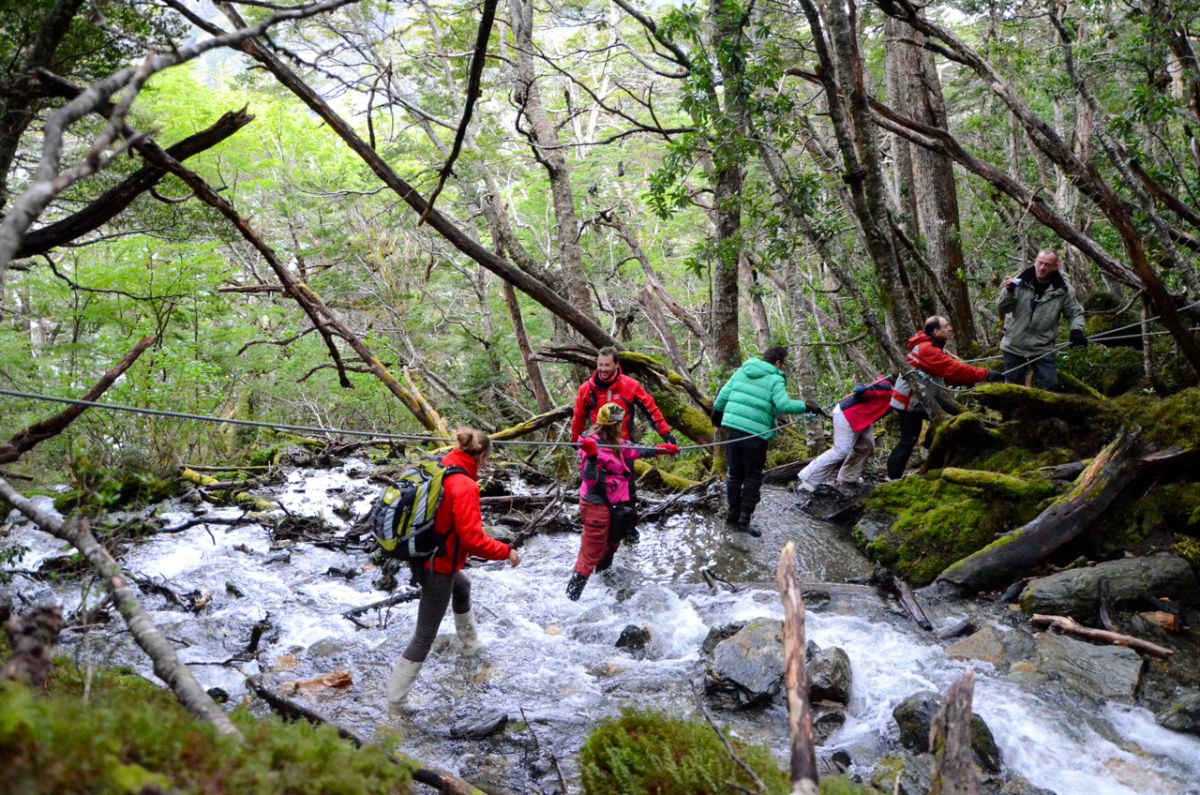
(747, 407)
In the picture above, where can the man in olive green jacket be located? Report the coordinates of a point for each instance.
(747, 407)
(1034, 301)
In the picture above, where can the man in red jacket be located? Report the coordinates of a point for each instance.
(853, 439)
(926, 353)
(609, 385)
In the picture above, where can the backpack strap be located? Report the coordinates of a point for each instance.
(450, 470)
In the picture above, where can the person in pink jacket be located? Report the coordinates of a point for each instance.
(606, 463)
(853, 440)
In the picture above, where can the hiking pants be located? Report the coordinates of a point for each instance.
(597, 543)
(910, 432)
(437, 591)
(747, 455)
(1045, 370)
(848, 455)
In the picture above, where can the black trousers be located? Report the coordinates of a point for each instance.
(746, 457)
(910, 431)
(1045, 370)
(436, 593)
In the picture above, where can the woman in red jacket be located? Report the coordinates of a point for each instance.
(441, 578)
(853, 439)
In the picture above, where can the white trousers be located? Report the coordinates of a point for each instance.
(848, 455)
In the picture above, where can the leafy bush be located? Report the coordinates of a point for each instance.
(133, 735)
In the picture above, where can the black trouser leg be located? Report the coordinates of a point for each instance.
(735, 473)
(436, 592)
(750, 452)
(910, 431)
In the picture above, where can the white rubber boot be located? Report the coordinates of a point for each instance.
(468, 632)
(401, 681)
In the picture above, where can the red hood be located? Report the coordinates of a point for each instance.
(461, 458)
(917, 339)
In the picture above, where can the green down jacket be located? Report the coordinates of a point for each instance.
(753, 397)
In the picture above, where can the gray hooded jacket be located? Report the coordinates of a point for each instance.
(1032, 323)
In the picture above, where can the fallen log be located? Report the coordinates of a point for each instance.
(800, 729)
(1022, 401)
(26, 440)
(1020, 550)
(998, 484)
(908, 601)
(209, 482)
(532, 424)
(1072, 627)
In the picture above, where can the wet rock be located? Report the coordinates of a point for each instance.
(1183, 715)
(326, 647)
(495, 775)
(914, 715)
(348, 573)
(869, 529)
(633, 638)
(335, 680)
(718, 634)
(1075, 592)
(913, 771)
(5, 607)
(826, 722)
(233, 590)
(218, 695)
(480, 727)
(829, 675)
(746, 669)
(1020, 786)
(952, 629)
(983, 645)
(295, 455)
(1105, 672)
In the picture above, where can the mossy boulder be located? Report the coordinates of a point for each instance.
(1183, 715)
(923, 524)
(1110, 371)
(914, 716)
(641, 753)
(1075, 592)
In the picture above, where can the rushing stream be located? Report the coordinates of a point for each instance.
(556, 660)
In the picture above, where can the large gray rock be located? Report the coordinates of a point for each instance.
(746, 669)
(1105, 672)
(914, 715)
(1075, 592)
(829, 675)
(1183, 715)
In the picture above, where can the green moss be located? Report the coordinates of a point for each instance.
(1174, 420)
(1164, 507)
(790, 445)
(1015, 460)
(934, 523)
(997, 484)
(132, 735)
(647, 752)
(1110, 371)
(1188, 548)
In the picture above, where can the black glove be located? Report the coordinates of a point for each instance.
(716, 417)
(858, 390)
(994, 376)
(1078, 338)
(669, 438)
(813, 408)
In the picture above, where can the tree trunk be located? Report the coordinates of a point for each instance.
(549, 152)
(950, 742)
(800, 730)
(532, 369)
(758, 312)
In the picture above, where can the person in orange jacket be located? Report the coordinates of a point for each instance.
(926, 353)
(441, 578)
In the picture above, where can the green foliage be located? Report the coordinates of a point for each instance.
(1174, 420)
(1110, 371)
(648, 752)
(1188, 548)
(132, 735)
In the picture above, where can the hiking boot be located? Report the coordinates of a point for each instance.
(468, 632)
(805, 486)
(605, 562)
(632, 536)
(401, 682)
(731, 520)
(753, 532)
(575, 586)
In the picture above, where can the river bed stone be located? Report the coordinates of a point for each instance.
(1075, 592)
(1104, 672)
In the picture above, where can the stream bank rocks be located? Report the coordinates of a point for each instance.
(1075, 592)
(745, 670)
(1183, 715)
(914, 715)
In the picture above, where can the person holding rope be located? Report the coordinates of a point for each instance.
(747, 407)
(1031, 304)
(927, 355)
(606, 463)
(609, 385)
(441, 578)
(853, 439)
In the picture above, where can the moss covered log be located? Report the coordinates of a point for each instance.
(996, 483)
(242, 497)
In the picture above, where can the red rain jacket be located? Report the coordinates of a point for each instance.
(594, 393)
(943, 368)
(864, 408)
(459, 519)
